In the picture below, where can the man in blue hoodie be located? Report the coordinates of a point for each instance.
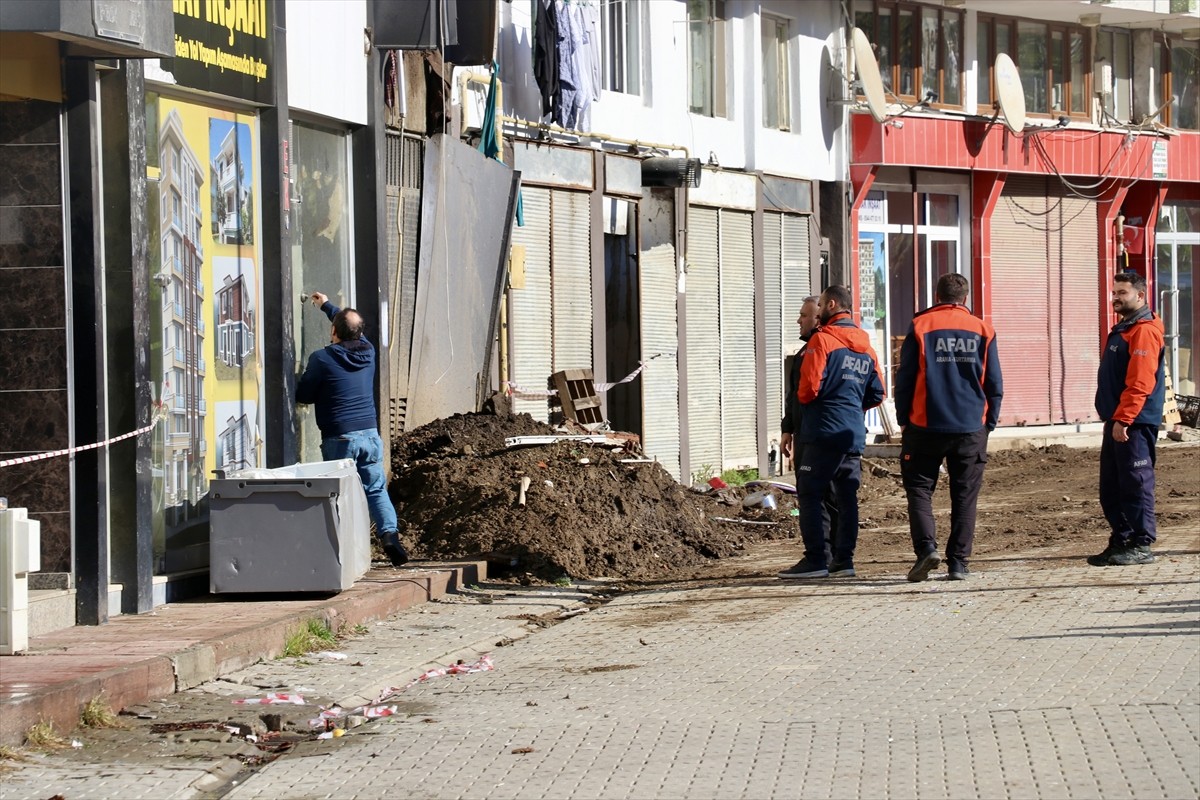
(340, 382)
(839, 381)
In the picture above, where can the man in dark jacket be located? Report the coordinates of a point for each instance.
(789, 443)
(948, 392)
(839, 381)
(1130, 392)
(340, 381)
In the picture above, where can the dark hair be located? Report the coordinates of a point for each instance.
(348, 325)
(1132, 278)
(840, 295)
(952, 288)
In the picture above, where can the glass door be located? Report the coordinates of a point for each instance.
(1178, 249)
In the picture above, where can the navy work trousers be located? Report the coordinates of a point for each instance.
(921, 456)
(1127, 485)
(818, 470)
(829, 509)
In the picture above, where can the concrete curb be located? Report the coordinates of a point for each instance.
(159, 676)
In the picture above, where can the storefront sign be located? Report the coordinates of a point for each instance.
(225, 47)
(1158, 160)
(124, 20)
(871, 210)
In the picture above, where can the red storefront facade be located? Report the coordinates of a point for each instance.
(1040, 221)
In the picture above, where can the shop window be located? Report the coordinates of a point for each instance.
(620, 31)
(919, 49)
(321, 224)
(706, 57)
(776, 108)
(1052, 59)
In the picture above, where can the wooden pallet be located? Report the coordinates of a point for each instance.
(577, 394)
(1171, 416)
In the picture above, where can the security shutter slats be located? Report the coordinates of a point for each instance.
(739, 357)
(530, 331)
(571, 278)
(703, 342)
(660, 343)
(1080, 324)
(797, 264)
(1020, 300)
(775, 322)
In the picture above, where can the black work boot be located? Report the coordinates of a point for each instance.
(1131, 555)
(394, 550)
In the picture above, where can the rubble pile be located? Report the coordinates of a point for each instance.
(586, 514)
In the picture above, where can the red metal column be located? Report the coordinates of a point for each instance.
(986, 188)
(1106, 212)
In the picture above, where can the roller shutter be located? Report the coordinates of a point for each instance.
(1020, 300)
(703, 342)
(1079, 320)
(571, 280)
(739, 357)
(530, 331)
(775, 321)
(660, 344)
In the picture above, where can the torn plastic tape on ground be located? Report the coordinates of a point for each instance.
(272, 698)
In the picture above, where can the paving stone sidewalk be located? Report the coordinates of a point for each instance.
(1064, 682)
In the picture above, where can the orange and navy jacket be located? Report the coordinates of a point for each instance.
(839, 380)
(1131, 387)
(949, 377)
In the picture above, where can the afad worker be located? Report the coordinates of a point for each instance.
(839, 381)
(789, 441)
(948, 393)
(340, 382)
(1130, 392)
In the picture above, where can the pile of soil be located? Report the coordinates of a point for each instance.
(587, 515)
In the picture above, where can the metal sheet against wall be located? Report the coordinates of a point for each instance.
(571, 279)
(660, 335)
(703, 342)
(405, 164)
(1020, 292)
(529, 323)
(739, 356)
(775, 320)
(1077, 289)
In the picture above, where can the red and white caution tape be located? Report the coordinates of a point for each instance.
(272, 698)
(70, 451)
(483, 664)
(513, 388)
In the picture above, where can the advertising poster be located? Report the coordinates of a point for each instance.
(205, 299)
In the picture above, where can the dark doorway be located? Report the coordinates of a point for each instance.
(623, 337)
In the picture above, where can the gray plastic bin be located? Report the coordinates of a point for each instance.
(303, 528)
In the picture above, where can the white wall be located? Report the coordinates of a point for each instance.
(660, 114)
(326, 62)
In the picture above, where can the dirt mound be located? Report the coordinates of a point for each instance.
(587, 515)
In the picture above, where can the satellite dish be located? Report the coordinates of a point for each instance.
(868, 75)
(1010, 95)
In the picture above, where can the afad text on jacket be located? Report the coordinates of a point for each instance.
(949, 378)
(839, 380)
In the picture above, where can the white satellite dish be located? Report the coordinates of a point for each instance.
(868, 75)
(1010, 95)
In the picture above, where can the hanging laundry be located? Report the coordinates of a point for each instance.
(489, 142)
(590, 59)
(573, 83)
(545, 56)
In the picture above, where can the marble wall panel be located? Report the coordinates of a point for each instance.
(30, 236)
(30, 175)
(33, 421)
(34, 358)
(40, 486)
(33, 298)
(29, 122)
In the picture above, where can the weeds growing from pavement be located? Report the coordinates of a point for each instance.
(42, 735)
(98, 714)
(312, 635)
(562, 580)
